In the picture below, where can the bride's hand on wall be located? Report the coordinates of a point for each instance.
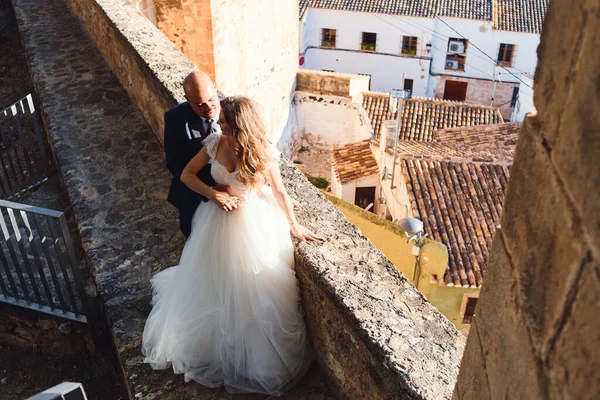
(296, 204)
(302, 233)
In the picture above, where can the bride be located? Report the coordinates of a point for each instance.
(229, 313)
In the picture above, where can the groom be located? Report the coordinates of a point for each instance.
(186, 126)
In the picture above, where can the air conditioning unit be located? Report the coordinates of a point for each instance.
(64, 391)
(452, 64)
(456, 47)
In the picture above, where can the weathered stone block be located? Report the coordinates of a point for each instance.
(558, 53)
(513, 370)
(473, 381)
(542, 236)
(574, 362)
(576, 144)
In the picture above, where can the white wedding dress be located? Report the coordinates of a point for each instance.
(229, 313)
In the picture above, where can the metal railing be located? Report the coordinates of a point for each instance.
(24, 164)
(38, 265)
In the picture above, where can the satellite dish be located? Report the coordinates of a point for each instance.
(411, 225)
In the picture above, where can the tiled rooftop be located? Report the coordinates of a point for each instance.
(520, 15)
(304, 4)
(509, 15)
(472, 9)
(354, 161)
(423, 117)
(460, 205)
(456, 151)
(497, 135)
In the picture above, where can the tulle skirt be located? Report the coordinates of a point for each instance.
(229, 313)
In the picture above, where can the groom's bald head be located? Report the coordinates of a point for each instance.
(200, 92)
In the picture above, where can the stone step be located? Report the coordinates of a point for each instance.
(113, 166)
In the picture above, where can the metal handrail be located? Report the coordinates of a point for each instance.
(39, 266)
(24, 164)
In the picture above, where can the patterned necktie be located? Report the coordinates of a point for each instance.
(211, 126)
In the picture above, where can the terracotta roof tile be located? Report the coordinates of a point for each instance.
(423, 117)
(460, 205)
(354, 161)
(472, 9)
(508, 15)
(304, 4)
(520, 15)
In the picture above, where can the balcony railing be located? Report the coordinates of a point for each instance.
(39, 268)
(24, 164)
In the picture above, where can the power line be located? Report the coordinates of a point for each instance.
(444, 37)
(432, 46)
(474, 45)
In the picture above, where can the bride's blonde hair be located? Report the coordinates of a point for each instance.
(250, 143)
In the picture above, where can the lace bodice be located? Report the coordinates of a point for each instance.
(220, 173)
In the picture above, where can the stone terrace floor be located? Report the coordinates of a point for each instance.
(114, 169)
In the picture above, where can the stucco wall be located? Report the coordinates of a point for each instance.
(535, 334)
(385, 66)
(256, 54)
(480, 34)
(329, 122)
(525, 101)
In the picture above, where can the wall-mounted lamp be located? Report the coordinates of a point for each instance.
(413, 228)
(428, 47)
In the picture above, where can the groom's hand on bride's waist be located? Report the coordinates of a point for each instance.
(224, 200)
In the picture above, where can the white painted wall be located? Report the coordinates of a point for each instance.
(481, 34)
(348, 190)
(386, 64)
(259, 56)
(329, 122)
(525, 101)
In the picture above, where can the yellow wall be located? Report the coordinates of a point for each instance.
(391, 240)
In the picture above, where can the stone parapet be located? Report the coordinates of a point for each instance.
(147, 64)
(375, 334)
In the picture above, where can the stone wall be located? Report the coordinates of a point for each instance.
(480, 91)
(535, 334)
(147, 64)
(189, 25)
(376, 336)
(332, 83)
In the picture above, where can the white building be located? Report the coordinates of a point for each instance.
(464, 50)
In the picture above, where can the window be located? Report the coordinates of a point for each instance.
(514, 98)
(364, 197)
(408, 84)
(506, 54)
(369, 41)
(456, 56)
(409, 45)
(468, 308)
(328, 37)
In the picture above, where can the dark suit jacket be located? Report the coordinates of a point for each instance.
(181, 145)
